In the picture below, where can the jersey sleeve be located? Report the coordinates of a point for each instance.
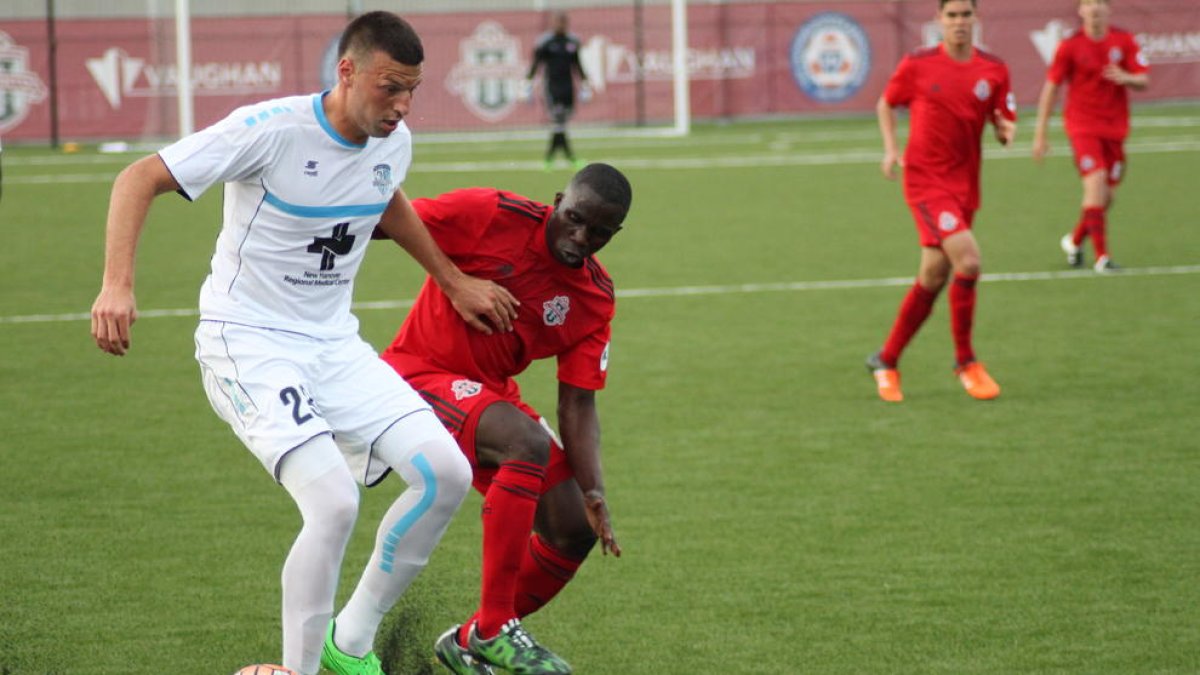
(1004, 99)
(901, 85)
(1135, 60)
(586, 364)
(1060, 67)
(229, 151)
(457, 220)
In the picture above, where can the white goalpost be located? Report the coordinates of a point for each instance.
(629, 69)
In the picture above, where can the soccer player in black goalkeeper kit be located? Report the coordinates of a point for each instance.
(559, 51)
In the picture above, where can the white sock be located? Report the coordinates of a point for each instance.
(327, 497)
(438, 476)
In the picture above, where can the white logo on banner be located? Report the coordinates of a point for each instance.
(1047, 39)
(1162, 48)
(489, 72)
(19, 87)
(607, 62)
(121, 76)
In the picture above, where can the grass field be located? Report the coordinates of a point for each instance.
(776, 517)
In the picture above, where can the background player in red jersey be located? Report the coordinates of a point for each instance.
(531, 482)
(1099, 63)
(952, 91)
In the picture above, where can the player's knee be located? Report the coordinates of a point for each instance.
(531, 445)
(573, 541)
(441, 469)
(969, 266)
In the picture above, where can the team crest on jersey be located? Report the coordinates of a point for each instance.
(465, 389)
(947, 221)
(983, 90)
(1115, 54)
(554, 312)
(383, 179)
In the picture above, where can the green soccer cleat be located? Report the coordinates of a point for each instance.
(515, 650)
(457, 659)
(343, 664)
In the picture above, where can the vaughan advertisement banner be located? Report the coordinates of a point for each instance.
(117, 78)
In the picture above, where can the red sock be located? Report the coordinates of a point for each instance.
(962, 316)
(508, 510)
(544, 572)
(1093, 218)
(1081, 229)
(914, 309)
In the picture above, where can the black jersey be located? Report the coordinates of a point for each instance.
(560, 55)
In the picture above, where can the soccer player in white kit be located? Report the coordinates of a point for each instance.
(306, 179)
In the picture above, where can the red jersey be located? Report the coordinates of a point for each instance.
(949, 103)
(1095, 106)
(565, 312)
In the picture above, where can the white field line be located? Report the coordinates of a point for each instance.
(861, 156)
(676, 291)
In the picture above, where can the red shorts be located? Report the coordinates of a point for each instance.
(1093, 153)
(459, 402)
(938, 218)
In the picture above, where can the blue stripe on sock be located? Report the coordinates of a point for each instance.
(402, 526)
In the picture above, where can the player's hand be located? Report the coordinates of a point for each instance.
(1115, 74)
(585, 92)
(1006, 129)
(113, 314)
(598, 519)
(525, 90)
(478, 299)
(891, 159)
(1040, 148)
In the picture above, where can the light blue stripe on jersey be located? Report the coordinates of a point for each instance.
(319, 112)
(338, 211)
(402, 526)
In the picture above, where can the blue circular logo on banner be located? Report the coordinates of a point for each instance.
(830, 57)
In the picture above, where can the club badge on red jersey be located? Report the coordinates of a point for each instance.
(554, 312)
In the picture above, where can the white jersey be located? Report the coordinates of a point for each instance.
(300, 205)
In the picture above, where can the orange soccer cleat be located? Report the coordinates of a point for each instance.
(887, 379)
(977, 382)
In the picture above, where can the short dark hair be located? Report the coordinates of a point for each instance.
(942, 3)
(607, 182)
(382, 31)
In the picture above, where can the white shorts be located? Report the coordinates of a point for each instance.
(278, 389)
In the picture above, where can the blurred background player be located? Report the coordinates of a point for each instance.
(952, 91)
(306, 179)
(1099, 64)
(558, 52)
(544, 505)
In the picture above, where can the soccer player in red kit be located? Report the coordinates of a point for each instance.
(952, 91)
(543, 499)
(1099, 64)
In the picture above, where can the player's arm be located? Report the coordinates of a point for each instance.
(474, 299)
(115, 308)
(579, 426)
(1046, 99)
(1118, 75)
(887, 129)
